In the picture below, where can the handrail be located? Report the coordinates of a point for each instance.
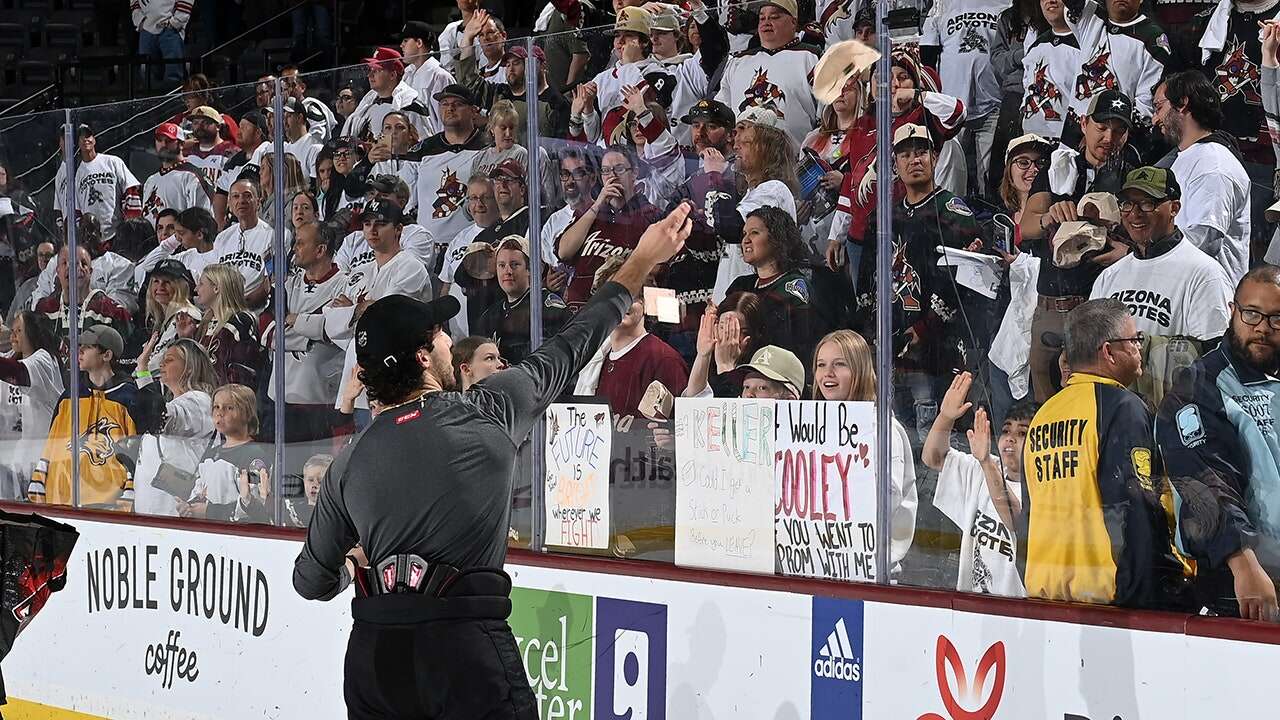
(251, 30)
(29, 98)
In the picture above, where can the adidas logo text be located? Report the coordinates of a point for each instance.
(836, 659)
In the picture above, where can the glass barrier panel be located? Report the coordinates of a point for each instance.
(31, 157)
(178, 256)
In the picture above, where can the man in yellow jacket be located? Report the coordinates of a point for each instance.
(1099, 510)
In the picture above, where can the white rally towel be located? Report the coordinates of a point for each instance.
(977, 271)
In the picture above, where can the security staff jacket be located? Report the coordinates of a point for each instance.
(1217, 432)
(1098, 509)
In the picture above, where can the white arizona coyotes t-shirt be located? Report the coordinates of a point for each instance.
(100, 185)
(988, 549)
(27, 412)
(1180, 292)
(965, 30)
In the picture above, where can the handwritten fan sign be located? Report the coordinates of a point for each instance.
(825, 490)
(724, 483)
(577, 485)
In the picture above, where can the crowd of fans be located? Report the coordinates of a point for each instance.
(1080, 240)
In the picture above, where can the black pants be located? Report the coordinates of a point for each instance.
(440, 670)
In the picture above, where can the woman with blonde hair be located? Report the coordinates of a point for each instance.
(169, 313)
(767, 167)
(844, 370)
(170, 455)
(295, 181)
(229, 331)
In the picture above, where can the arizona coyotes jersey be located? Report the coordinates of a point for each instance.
(355, 250)
(1236, 72)
(835, 19)
(104, 188)
(179, 188)
(1129, 57)
(212, 161)
(964, 31)
(313, 365)
(1049, 69)
(441, 190)
(780, 80)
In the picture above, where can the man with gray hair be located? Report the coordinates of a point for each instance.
(1096, 505)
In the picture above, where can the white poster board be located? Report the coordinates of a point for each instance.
(724, 483)
(825, 489)
(579, 440)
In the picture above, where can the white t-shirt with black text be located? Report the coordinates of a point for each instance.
(988, 548)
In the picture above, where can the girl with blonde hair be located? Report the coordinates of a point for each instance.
(229, 331)
(844, 370)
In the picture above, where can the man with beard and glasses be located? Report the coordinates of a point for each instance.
(435, 538)
(1217, 433)
(178, 184)
(1216, 214)
(1098, 164)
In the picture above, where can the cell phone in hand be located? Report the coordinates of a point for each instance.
(1002, 233)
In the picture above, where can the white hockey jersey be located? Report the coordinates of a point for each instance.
(964, 31)
(428, 80)
(414, 239)
(313, 364)
(102, 189)
(401, 275)
(156, 16)
(177, 188)
(441, 190)
(780, 80)
(1130, 58)
(1049, 69)
(111, 273)
(835, 18)
(366, 120)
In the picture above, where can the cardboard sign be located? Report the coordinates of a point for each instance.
(577, 484)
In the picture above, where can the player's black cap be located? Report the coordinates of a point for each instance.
(398, 324)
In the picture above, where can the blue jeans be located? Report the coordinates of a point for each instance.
(168, 46)
(915, 403)
(1001, 397)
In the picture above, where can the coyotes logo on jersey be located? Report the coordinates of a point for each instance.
(973, 42)
(1041, 95)
(1096, 75)
(152, 207)
(835, 13)
(906, 283)
(1238, 74)
(449, 196)
(764, 94)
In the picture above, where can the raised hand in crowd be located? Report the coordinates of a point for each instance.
(247, 488)
(955, 403)
(584, 98)
(729, 343)
(474, 27)
(144, 357)
(1270, 42)
(713, 161)
(633, 99)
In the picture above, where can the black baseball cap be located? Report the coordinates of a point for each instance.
(455, 90)
(382, 210)
(256, 119)
(418, 30)
(713, 110)
(1111, 105)
(174, 269)
(398, 324)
